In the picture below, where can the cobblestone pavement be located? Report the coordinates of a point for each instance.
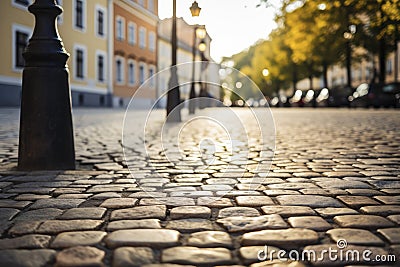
(334, 184)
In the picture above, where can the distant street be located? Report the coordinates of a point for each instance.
(334, 182)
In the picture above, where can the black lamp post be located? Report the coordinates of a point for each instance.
(203, 86)
(173, 95)
(195, 10)
(348, 35)
(46, 139)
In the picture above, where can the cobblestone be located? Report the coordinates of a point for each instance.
(27, 241)
(334, 171)
(243, 224)
(210, 239)
(190, 212)
(362, 221)
(290, 238)
(128, 256)
(309, 201)
(83, 238)
(197, 256)
(190, 225)
(391, 234)
(22, 257)
(309, 222)
(143, 237)
(58, 226)
(83, 213)
(355, 236)
(80, 256)
(143, 212)
(134, 224)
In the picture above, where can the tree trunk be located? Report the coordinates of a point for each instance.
(382, 60)
(325, 73)
(294, 79)
(310, 78)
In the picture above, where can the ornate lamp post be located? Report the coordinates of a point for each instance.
(173, 95)
(46, 139)
(195, 10)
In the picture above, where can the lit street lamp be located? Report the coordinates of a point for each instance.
(173, 95)
(265, 72)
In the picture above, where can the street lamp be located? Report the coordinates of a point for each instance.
(202, 46)
(348, 35)
(195, 10)
(173, 95)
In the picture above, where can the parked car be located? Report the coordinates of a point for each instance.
(394, 89)
(339, 96)
(373, 95)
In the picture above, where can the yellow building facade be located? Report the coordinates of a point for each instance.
(88, 30)
(135, 52)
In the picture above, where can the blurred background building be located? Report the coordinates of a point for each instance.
(203, 71)
(135, 49)
(113, 51)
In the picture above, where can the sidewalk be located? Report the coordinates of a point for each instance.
(334, 184)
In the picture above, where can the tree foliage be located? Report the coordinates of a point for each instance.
(310, 38)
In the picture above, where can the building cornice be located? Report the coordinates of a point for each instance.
(138, 11)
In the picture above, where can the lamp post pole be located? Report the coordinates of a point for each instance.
(195, 10)
(192, 94)
(46, 140)
(348, 35)
(173, 95)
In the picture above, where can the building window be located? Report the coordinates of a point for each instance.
(151, 76)
(141, 74)
(152, 41)
(131, 72)
(120, 28)
(119, 68)
(101, 66)
(142, 37)
(21, 3)
(79, 14)
(80, 62)
(21, 41)
(100, 21)
(150, 5)
(141, 2)
(132, 33)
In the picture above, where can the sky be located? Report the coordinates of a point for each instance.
(233, 25)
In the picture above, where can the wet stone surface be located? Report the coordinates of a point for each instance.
(334, 176)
